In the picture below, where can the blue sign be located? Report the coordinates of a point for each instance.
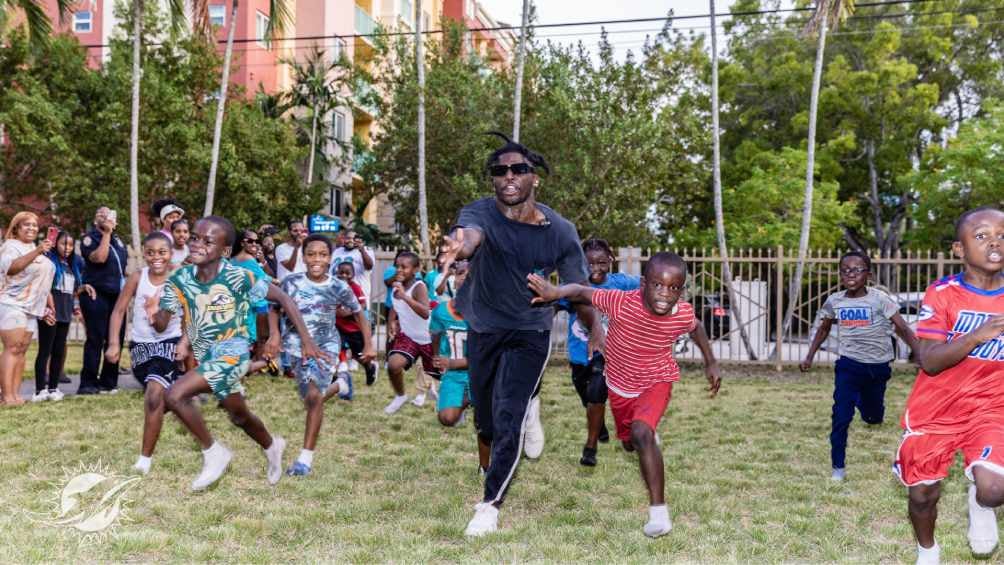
(323, 223)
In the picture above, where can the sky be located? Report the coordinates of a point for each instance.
(622, 36)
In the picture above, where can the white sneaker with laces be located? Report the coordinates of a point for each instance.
(982, 534)
(41, 396)
(55, 395)
(839, 474)
(217, 459)
(274, 457)
(396, 404)
(485, 520)
(533, 432)
(419, 399)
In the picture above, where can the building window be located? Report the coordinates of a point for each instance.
(218, 15)
(82, 21)
(338, 126)
(260, 26)
(337, 202)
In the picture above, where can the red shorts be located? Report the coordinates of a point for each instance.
(404, 345)
(648, 407)
(925, 458)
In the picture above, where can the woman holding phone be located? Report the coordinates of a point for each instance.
(24, 299)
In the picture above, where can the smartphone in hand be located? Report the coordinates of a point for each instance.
(52, 234)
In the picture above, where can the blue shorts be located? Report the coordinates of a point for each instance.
(317, 372)
(454, 390)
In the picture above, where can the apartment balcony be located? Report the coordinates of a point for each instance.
(365, 24)
(364, 101)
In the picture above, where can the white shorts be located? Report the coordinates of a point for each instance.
(12, 318)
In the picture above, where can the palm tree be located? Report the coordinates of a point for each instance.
(518, 95)
(828, 14)
(317, 85)
(38, 23)
(716, 167)
(279, 17)
(177, 17)
(423, 205)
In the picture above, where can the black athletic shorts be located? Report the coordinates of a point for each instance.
(155, 362)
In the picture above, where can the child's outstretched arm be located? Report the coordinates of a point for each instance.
(904, 332)
(936, 356)
(547, 292)
(309, 347)
(817, 341)
(114, 349)
(710, 363)
(271, 347)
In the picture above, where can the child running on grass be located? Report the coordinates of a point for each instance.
(957, 401)
(449, 341)
(349, 328)
(152, 352)
(864, 317)
(214, 297)
(408, 329)
(640, 369)
(318, 295)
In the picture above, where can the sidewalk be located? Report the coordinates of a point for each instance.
(126, 382)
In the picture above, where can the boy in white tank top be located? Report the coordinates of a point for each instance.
(152, 353)
(407, 328)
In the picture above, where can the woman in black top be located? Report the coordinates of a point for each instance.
(52, 339)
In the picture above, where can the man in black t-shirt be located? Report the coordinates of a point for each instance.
(506, 238)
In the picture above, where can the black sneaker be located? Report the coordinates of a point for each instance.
(371, 373)
(588, 457)
(87, 390)
(64, 379)
(604, 436)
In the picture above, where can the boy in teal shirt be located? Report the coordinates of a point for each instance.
(449, 341)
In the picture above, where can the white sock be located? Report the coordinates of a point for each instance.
(144, 463)
(343, 385)
(658, 514)
(925, 551)
(306, 457)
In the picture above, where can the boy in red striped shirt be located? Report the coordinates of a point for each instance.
(640, 369)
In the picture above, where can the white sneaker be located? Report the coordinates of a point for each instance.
(353, 365)
(533, 432)
(217, 459)
(654, 530)
(929, 555)
(983, 537)
(274, 457)
(485, 520)
(419, 399)
(396, 404)
(40, 396)
(142, 465)
(839, 474)
(55, 395)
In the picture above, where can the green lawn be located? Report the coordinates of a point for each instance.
(747, 481)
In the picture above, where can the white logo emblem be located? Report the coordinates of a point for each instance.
(926, 313)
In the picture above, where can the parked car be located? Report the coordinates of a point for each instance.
(715, 314)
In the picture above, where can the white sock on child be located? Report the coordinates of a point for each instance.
(143, 464)
(929, 555)
(658, 521)
(343, 384)
(306, 457)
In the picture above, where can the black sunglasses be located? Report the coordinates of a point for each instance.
(516, 168)
(251, 240)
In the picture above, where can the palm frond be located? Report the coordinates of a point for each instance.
(835, 12)
(176, 15)
(39, 26)
(63, 9)
(280, 19)
(201, 27)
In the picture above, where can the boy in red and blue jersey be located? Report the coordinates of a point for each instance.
(957, 401)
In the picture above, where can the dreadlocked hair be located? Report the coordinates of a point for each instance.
(596, 244)
(535, 159)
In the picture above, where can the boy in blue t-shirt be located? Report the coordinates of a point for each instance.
(587, 374)
(449, 342)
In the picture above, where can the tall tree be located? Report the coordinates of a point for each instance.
(423, 205)
(38, 23)
(520, 62)
(279, 17)
(828, 13)
(317, 87)
(716, 176)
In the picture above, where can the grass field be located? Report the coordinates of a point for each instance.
(747, 481)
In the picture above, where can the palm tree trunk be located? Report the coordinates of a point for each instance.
(220, 107)
(313, 149)
(795, 286)
(137, 38)
(423, 206)
(716, 167)
(518, 95)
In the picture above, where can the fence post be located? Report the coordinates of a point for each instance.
(779, 307)
(941, 265)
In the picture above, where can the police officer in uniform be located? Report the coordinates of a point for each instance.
(105, 259)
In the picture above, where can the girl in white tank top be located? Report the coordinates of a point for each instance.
(411, 324)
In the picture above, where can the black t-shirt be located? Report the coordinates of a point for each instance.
(107, 277)
(495, 296)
